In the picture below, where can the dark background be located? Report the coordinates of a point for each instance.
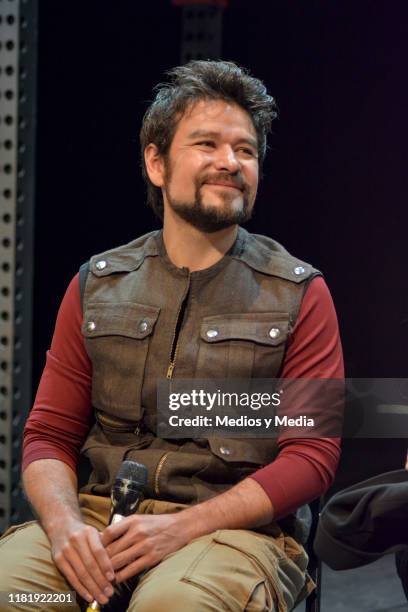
(335, 186)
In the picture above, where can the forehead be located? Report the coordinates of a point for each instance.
(216, 116)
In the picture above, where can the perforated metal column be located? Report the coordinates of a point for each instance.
(202, 32)
(18, 27)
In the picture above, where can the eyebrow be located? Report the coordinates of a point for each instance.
(209, 134)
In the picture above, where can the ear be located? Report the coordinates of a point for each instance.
(154, 165)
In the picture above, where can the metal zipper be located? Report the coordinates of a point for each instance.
(170, 369)
(158, 470)
(117, 424)
(172, 362)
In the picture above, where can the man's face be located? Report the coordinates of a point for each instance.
(211, 170)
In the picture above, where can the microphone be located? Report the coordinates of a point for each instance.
(128, 490)
(126, 494)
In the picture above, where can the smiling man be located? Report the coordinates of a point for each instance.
(201, 298)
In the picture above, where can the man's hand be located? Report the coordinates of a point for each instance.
(76, 548)
(80, 556)
(140, 541)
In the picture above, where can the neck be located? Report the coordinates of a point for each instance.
(188, 247)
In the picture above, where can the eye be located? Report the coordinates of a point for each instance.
(206, 143)
(247, 151)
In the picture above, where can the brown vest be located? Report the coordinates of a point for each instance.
(132, 302)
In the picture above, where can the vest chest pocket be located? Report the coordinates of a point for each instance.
(247, 345)
(117, 340)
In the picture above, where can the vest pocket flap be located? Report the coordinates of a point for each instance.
(270, 328)
(119, 319)
(258, 451)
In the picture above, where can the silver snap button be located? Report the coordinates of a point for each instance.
(91, 326)
(212, 333)
(299, 270)
(274, 332)
(101, 264)
(143, 326)
(224, 450)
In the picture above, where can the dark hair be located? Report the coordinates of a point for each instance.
(200, 80)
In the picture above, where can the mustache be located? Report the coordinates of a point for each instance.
(224, 177)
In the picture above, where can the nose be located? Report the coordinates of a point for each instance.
(226, 160)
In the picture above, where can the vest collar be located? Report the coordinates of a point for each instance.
(258, 252)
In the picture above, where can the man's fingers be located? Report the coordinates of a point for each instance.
(114, 531)
(101, 555)
(120, 545)
(66, 569)
(80, 556)
(131, 533)
(129, 555)
(86, 578)
(135, 568)
(88, 569)
(71, 566)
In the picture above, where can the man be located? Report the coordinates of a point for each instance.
(203, 298)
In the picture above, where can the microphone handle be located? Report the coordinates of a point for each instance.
(116, 518)
(93, 606)
(121, 590)
(126, 496)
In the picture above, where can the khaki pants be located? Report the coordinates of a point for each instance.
(231, 569)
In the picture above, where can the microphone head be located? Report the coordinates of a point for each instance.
(133, 471)
(128, 488)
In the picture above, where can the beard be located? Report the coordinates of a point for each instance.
(209, 217)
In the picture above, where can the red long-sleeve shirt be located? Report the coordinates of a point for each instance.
(62, 413)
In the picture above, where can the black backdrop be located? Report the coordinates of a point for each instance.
(335, 185)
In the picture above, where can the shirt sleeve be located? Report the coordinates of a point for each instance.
(305, 467)
(62, 412)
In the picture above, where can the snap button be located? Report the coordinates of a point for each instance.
(274, 332)
(212, 333)
(299, 270)
(91, 326)
(101, 264)
(143, 326)
(224, 450)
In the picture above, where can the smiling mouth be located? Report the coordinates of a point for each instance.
(224, 186)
